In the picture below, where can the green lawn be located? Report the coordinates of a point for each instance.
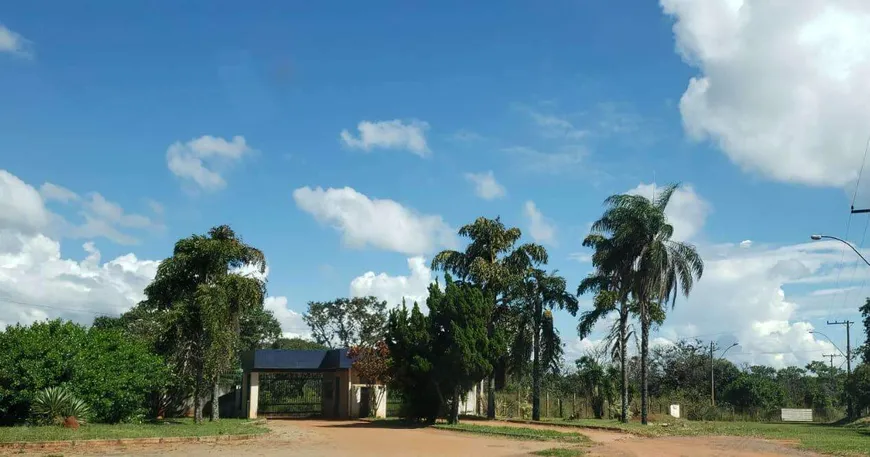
(518, 432)
(847, 440)
(161, 429)
(561, 452)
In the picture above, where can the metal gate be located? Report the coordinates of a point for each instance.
(290, 394)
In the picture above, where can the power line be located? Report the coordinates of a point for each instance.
(57, 308)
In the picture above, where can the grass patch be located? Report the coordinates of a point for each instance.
(848, 440)
(532, 434)
(157, 429)
(561, 452)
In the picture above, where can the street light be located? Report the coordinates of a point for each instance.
(712, 377)
(815, 332)
(819, 237)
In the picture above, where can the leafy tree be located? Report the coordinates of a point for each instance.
(858, 387)
(492, 261)
(346, 322)
(865, 314)
(109, 371)
(533, 300)
(296, 344)
(447, 351)
(257, 327)
(755, 389)
(200, 295)
(372, 364)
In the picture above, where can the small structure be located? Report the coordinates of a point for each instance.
(310, 383)
(675, 411)
(796, 415)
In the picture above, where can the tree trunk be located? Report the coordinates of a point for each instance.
(215, 401)
(623, 360)
(490, 398)
(536, 365)
(198, 398)
(644, 364)
(454, 408)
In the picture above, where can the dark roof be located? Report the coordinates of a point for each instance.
(295, 360)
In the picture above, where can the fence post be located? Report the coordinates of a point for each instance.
(573, 404)
(547, 409)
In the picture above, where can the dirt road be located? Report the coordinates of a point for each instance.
(363, 439)
(616, 444)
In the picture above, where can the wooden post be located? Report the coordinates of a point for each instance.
(547, 409)
(519, 406)
(573, 404)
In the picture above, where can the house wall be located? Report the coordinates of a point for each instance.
(379, 400)
(468, 405)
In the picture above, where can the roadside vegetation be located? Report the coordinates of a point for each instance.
(155, 429)
(531, 434)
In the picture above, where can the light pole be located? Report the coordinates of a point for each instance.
(829, 237)
(847, 323)
(712, 373)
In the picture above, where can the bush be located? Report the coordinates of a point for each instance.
(109, 371)
(55, 404)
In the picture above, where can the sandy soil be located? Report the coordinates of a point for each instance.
(362, 439)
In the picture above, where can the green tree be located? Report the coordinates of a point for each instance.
(533, 300)
(199, 295)
(444, 353)
(858, 387)
(257, 327)
(755, 389)
(493, 261)
(296, 344)
(108, 370)
(596, 383)
(865, 314)
(346, 322)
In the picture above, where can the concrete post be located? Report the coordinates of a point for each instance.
(246, 385)
(253, 395)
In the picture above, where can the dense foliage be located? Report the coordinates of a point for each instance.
(346, 322)
(438, 358)
(111, 373)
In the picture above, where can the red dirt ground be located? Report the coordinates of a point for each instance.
(362, 439)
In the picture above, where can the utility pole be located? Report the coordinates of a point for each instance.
(831, 356)
(848, 324)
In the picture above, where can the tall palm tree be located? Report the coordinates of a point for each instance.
(492, 261)
(661, 267)
(534, 300)
(611, 284)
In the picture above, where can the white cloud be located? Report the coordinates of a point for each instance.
(392, 289)
(582, 257)
(746, 244)
(291, 322)
(541, 229)
(37, 283)
(21, 206)
(155, 206)
(380, 223)
(742, 297)
(203, 160)
(394, 134)
(553, 126)
(783, 87)
(485, 185)
(687, 211)
(14, 43)
(50, 191)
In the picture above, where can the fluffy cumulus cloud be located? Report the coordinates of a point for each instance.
(541, 229)
(394, 134)
(291, 322)
(485, 185)
(782, 87)
(21, 206)
(379, 223)
(393, 289)
(13, 43)
(742, 297)
(686, 211)
(202, 161)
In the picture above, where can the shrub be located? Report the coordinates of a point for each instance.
(112, 373)
(55, 404)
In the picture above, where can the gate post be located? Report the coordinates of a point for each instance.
(253, 394)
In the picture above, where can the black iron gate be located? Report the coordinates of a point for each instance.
(290, 394)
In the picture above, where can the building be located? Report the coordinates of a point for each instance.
(297, 383)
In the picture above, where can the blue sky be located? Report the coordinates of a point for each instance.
(564, 103)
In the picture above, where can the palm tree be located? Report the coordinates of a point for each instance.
(200, 296)
(535, 298)
(491, 261)
(611, 283)
(661, 267)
